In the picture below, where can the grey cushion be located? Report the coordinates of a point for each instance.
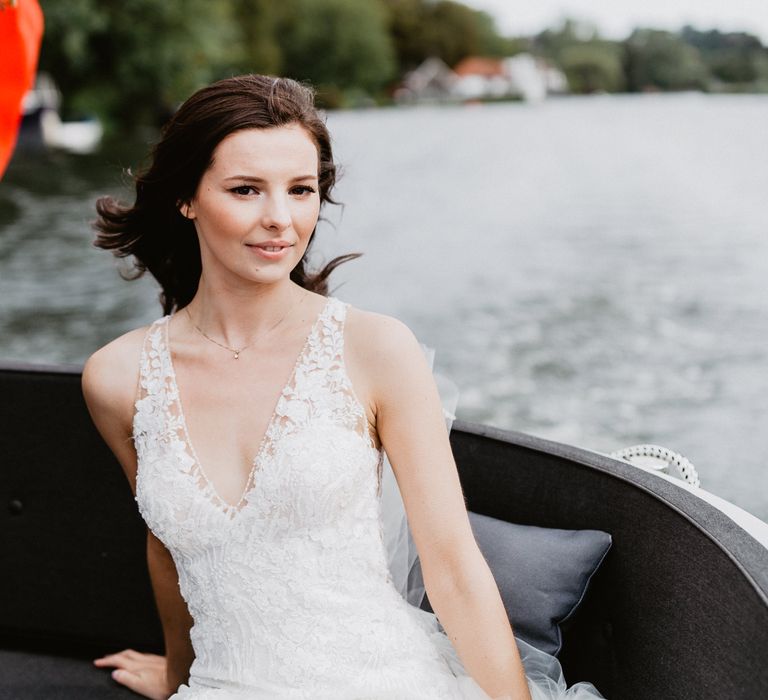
(542, 573)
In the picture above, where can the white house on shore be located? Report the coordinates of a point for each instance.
(534, 78)
(522, 76)
(433, 81)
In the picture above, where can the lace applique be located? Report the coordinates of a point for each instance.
(318, 383)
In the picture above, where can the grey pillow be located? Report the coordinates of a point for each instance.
(542, 573)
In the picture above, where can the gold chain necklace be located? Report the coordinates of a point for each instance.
(235, 351)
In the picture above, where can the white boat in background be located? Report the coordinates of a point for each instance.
(42, 124)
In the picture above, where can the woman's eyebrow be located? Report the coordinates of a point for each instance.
(253, 178)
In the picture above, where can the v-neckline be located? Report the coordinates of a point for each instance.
(232, 509)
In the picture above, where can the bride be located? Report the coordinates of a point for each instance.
(269, 571)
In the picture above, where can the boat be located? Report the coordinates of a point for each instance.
(42, 126)
(678, 608)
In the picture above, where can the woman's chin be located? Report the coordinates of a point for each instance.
(269, 274)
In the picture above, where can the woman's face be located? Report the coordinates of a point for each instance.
(257, 204)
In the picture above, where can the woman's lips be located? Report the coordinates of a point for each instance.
(270, 252)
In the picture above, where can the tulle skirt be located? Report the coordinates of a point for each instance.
(543, 672)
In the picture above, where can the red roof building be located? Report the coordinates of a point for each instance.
(480, 65)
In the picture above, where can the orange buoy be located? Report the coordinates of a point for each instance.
(21, 30)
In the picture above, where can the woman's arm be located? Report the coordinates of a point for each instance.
(109, 394)
(462, 591)
(173, 611)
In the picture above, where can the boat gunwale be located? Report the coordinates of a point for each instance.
(722, 530)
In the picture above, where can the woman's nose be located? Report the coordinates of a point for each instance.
(276, 214)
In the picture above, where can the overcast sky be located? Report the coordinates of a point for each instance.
(616, 18)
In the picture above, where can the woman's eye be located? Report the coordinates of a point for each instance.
(243, 189)
(303, 189)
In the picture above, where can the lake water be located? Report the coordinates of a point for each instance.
(591, 270)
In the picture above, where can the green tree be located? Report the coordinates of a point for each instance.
(336, 43)
(593, 66)
(405, 22)
(259, 24)
(552, 43)
(590, 63)
(732, 57)
(132, 61)
(448, 30)
(662, 60)
(454, 31)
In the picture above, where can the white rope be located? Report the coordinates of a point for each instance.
(676, 464)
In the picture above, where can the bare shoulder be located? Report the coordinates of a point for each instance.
(380, 339)
(385, 362)
(110, 377)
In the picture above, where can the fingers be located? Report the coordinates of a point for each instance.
(144, 674)
(130, 680)
(129, 658)
(121, 658)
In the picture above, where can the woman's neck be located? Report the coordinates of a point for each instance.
(237, 317)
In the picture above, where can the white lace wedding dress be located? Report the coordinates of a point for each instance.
(289, 589)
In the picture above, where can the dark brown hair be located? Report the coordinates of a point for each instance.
(155, 232)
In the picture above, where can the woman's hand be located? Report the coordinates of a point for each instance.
(145, 674)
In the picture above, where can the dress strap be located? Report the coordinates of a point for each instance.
(151, 360)
(339, 317)
(149, 399)
(332, 335)
(352, 411)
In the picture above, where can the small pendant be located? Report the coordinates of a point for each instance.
(237, 354)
